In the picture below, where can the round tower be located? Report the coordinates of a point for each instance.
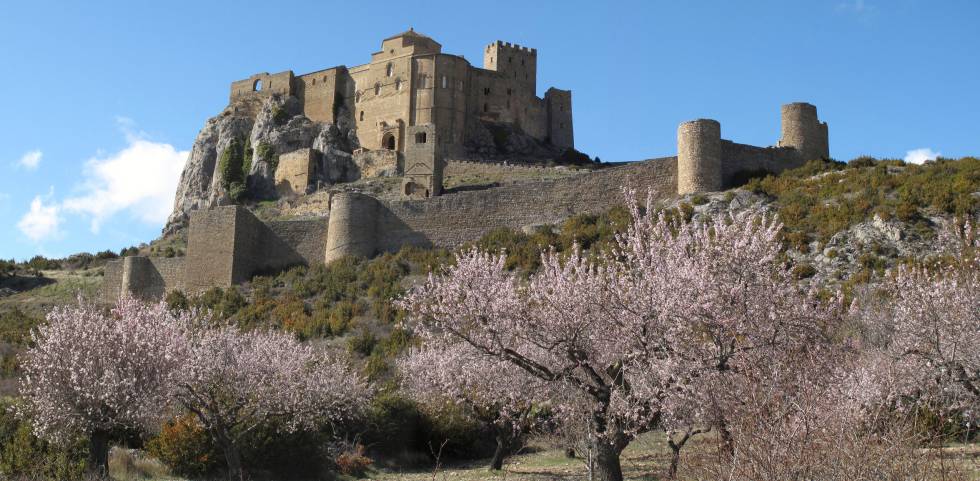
(802, 130)
(351, 228)
(699, 156)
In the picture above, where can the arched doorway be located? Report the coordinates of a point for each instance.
(388, 141)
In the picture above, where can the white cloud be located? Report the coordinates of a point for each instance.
(31, 160)
(42, 221)
(919, 156)
(140, 179)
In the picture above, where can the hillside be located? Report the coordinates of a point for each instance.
(844, 225)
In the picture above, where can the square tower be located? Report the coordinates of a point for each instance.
(513, 61)
(424, 162)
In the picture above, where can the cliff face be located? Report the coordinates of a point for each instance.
(267, 128)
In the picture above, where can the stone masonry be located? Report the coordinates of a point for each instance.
(228, 245)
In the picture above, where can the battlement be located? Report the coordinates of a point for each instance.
(507, 46)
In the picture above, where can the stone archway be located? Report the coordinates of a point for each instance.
(388, 141)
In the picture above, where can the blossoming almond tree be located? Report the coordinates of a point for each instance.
(494, 392)
(235, 382)
(91, 372)
(617, 339)
(927, 324)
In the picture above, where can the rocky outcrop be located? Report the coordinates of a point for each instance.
(501, 141)
(272, 127)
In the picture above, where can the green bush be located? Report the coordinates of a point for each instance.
(16, 325)
(231, 165)
(279, 115)
(24, 455)
(815, 207)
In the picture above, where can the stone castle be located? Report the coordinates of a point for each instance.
(415, 102)
(412, 99)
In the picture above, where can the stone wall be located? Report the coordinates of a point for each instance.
(451, 220)
(465, 168)
(748, 159)
(112, 280)
(295, 172)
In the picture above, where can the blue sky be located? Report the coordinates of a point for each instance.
(102, 100)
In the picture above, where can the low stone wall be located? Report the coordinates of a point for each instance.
(451, 220)
(464, 167)
(742, 158)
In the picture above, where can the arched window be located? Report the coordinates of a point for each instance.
(362, 115)
(445, 81)
(314, 81)
(377, 89)
(510, 59)
(398, 84)
(486, 107)
(459, 85)
(357, 97)
(389, 69)
(388, 141)
(257, 85)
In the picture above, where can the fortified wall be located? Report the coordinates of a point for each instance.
(228, 245)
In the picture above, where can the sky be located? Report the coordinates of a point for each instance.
(102, 100)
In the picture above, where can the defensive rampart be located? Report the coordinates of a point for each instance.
(228, 245)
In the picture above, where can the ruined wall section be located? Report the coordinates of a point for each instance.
(263, 85)
(451, 220)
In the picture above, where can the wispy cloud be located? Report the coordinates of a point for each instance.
(43, 220)
(919, 156)
(30, 160)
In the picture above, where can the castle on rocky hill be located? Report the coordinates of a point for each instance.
(414, 102)
(411, 93)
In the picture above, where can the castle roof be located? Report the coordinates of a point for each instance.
(410, 33)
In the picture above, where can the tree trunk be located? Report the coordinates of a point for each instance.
(675, 459)
(98, 453)
(605, 462)
(497, 463)
(234, 460)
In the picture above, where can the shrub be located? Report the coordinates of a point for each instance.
(803, 271)
(353, 462)
(231, 167)
(23, 454)
(279, 115)
(185, 447)
(177, 301)
(699, 199)
(363, 343)
(16, 325)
